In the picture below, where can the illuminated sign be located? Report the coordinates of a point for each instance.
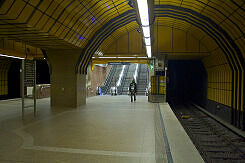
(118, 63)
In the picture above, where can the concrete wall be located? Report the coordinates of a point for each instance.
(68, 89)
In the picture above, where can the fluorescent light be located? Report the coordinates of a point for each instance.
(146, 31)
(126, 57)
(143, 10)
(107, 57)
(144, 17)
(3, 55)
(119, 57)
(114, 57)
(148, 41)
(148, 51)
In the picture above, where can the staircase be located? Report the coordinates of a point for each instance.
(128, 76)
(142, 81)
(111, 79)
(115, 77)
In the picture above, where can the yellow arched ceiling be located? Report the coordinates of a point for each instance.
(219, 26)
(207, 30)
(216, 27)
(175, 38)
(178, 43)
(57, 23)
(129, 44)
(71, 24)
(124, 43)
(19, 49)
(218, 11)
(228, 14)
(118, 42)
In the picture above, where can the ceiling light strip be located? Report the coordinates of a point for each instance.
(144, 17)
(117, 57)
(9, 56)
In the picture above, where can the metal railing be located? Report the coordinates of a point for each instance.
(142, 83)
(105, 88)
(120, 88)
(28, 77)
(120, 76)
(129, 74)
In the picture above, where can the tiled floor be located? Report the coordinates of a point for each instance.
(108, 129)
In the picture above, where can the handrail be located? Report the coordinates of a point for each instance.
(136, 73)
(120, 76)
(108, 80)
(148, 77)
(123, 79)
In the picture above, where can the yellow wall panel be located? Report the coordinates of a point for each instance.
(164, 39)
(219, 78)
(192, 44)
(26, 13)
(203, 48)
(36, 16)
(16, 9)
(5, 6)
(128, 44)
(122, 44)
(179, 41)
(135, 42)
(112, 48)
(4, 67)
(209, 42)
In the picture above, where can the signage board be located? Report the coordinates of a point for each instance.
(118, 63)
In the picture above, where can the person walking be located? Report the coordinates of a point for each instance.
(132, 90)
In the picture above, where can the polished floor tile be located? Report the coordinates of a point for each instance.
(107, 129)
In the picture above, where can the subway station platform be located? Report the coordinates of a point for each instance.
(107, 129)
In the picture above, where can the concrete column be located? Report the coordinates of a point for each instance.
(68, 89)
(89, 78)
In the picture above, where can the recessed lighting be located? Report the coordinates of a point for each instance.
(148, 50)
(3, 55)
(144, 17)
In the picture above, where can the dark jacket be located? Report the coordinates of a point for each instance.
(132, 87)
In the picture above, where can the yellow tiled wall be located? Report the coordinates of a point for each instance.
(4, 67)
(219, 78)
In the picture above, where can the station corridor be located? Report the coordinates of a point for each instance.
(108, 129)
(69, 67)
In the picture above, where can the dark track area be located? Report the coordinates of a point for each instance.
(215, 142)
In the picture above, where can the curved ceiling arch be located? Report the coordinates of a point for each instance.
(100, 36)
(219, 35)
(57, 24)
(167, 41)
(207, 25)
(87, 23)
(122, 32)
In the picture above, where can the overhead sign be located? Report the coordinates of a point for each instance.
(118, 63)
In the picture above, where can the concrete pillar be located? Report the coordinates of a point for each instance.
(68, 89)
(89, 80)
